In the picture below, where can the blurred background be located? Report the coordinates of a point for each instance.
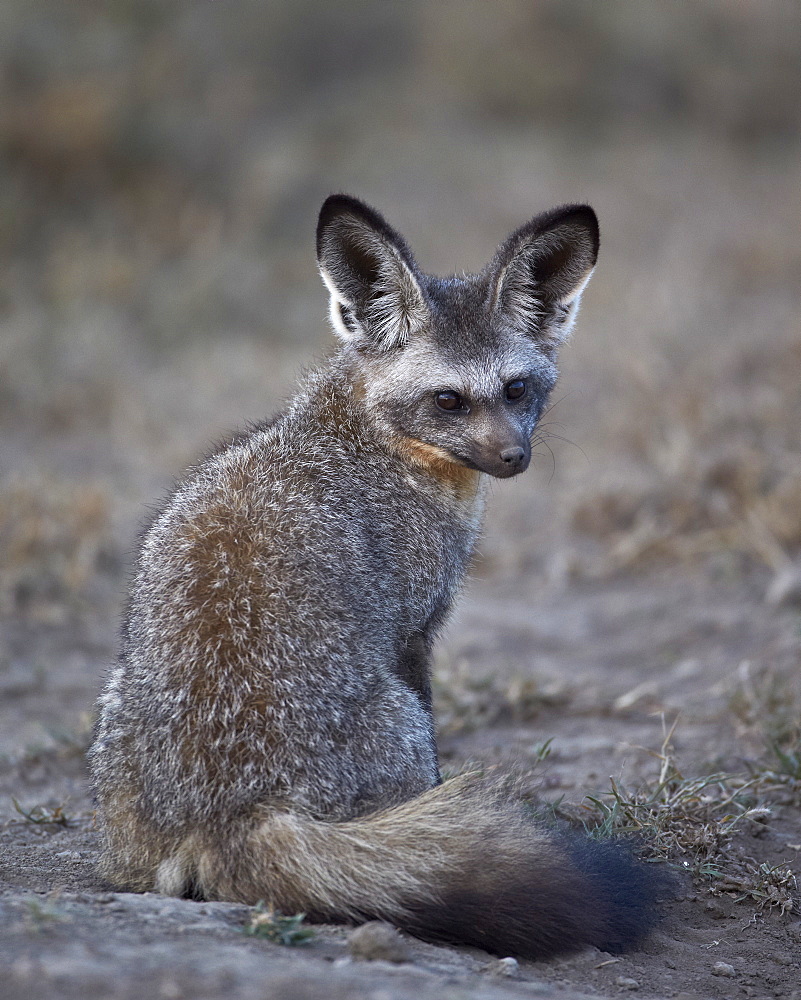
(161, 169)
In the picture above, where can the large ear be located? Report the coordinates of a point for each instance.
(376, 297)
(538, 274)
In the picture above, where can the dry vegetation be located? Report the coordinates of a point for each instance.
(56, 541)
(160, 170)
(692, 822)
(722, 453)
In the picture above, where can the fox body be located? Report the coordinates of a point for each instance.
(267, 732)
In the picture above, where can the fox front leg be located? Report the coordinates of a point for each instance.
(414, 667)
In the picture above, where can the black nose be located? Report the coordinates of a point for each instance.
(512, 456)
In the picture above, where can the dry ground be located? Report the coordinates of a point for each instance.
(635, 613)
(606, 607)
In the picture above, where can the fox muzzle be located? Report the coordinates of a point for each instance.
(503, 460)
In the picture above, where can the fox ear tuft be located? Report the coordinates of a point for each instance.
(538, 274)
(376, 296)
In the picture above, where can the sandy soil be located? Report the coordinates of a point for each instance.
(65, 934)
(607, 663)
(161, 167)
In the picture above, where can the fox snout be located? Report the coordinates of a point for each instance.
(515, 459)
(503, 459)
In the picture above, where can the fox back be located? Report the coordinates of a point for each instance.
(267, 731)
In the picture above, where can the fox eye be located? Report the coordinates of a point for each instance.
(449, 400)
(516, 389)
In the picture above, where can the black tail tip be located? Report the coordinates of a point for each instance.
(593, 893)
(625, 896)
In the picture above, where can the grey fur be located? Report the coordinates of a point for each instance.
(267, 731)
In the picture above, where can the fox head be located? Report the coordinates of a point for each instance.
(460, 367)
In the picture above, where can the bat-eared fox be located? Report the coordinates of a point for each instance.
(267, 732)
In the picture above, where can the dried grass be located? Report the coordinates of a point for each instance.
(466, 702)
(694, 822)
(55, 537)
(720, 457)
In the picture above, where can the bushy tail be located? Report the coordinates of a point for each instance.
(460, 863)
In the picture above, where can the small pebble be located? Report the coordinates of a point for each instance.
(506, 967)
(626, 983)
(377, 941)
(723, 969)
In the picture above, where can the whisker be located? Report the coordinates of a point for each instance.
(537, 440)
(556, 402)
(561, 437)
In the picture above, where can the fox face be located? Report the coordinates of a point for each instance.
(459, 367)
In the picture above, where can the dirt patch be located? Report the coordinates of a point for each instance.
(635, 614)
(65, 933)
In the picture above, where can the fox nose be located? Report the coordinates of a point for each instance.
(512, 456)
